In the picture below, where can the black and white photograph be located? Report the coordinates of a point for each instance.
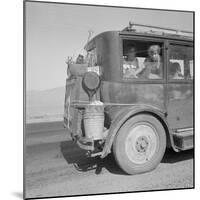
(108, 99)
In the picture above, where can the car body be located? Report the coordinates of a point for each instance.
(165, 100)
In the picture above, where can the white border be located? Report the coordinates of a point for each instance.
(12, 96)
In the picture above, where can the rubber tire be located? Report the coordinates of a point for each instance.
(119, 145)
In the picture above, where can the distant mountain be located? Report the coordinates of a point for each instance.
(42, 104)
(51, 97)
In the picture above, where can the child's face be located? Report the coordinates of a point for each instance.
(131, 55)
(154, 56)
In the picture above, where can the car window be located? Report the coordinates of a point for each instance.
(92, 61)
(142, 60)
(180, 62)
(91, 57)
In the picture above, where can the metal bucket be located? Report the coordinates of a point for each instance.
(94, 122)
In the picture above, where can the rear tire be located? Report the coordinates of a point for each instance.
(140, 144)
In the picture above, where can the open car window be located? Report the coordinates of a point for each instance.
(142, 60)
(180, 62)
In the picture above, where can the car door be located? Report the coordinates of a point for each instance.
(180, 86)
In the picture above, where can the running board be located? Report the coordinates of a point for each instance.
(183, 138)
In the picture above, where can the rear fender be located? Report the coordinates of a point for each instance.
(129, 112)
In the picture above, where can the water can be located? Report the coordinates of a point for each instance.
(94, 122)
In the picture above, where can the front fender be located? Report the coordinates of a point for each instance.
(123, 116)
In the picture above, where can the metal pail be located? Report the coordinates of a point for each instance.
(94, 122)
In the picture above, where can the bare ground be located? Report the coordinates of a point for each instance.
(55, 166)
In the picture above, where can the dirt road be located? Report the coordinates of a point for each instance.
(56, 166)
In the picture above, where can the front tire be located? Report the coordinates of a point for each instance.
(140, 144)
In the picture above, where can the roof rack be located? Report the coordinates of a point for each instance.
(157, 29)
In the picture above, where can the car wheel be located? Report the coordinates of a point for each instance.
(140, 144)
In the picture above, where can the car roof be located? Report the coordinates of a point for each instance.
(158, 34)
(178, 36)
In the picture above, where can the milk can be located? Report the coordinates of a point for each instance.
(94, 121)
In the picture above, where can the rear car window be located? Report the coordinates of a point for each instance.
(180, 62)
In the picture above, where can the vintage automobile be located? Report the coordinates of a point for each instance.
(133, 96)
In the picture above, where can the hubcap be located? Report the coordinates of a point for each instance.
(141, 143)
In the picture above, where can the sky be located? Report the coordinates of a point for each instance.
(56, 31)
